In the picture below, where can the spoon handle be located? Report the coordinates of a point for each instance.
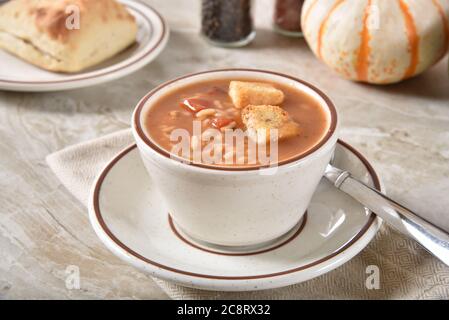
(435, 240)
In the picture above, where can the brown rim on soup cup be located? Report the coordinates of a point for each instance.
(154, 146)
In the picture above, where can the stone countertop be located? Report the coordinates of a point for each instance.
(403, 129)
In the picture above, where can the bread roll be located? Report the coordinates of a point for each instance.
(46, 34)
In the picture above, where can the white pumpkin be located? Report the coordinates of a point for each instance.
(377, 41)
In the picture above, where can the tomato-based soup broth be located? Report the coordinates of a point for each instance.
(245, 104)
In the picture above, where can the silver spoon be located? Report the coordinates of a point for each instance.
(435, 240)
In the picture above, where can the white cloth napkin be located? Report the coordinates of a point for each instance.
(406, 271)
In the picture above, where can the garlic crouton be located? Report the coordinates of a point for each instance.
(261, 120)
(254, 93)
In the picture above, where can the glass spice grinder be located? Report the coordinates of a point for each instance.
(287, 17)
(227, 23)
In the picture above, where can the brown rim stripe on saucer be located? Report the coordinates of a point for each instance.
(101, 74)
(301, 224)
(154, 146)
(105, 228)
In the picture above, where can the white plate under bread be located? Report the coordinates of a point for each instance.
(113, 41)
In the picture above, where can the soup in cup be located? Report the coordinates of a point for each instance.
(236, 154)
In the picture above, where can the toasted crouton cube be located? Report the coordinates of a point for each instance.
(261, 120)
(254, 93)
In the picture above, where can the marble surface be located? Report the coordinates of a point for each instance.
(403, 129)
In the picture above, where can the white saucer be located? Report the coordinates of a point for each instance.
(18, 75)
(128, 216)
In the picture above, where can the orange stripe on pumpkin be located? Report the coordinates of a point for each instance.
(323, 25)
(364, 50)
(445, 26)
(307, 14)
(413, 39)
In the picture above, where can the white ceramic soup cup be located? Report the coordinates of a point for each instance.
(235, 207)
